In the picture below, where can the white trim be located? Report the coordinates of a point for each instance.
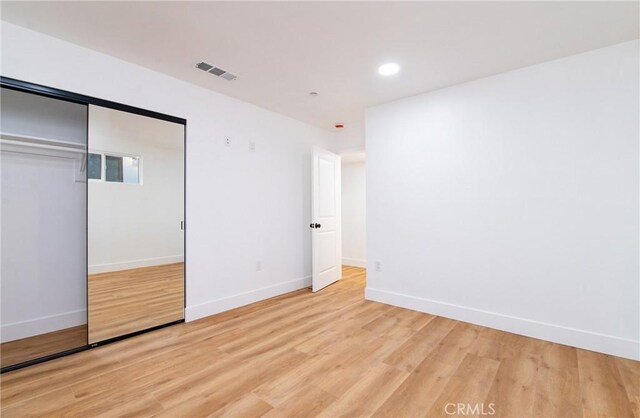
(42, 325)
(230, 302)
(354, 262)
(133, 264)
(588, 340)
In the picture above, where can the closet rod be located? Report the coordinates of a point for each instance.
(41, 143)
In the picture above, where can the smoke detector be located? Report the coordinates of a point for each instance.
(217, 71)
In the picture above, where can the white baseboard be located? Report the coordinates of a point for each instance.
(354, 262)
(588, 340)
(42, 325)
(224, 304)
(134, 264)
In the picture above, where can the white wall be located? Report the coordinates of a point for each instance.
(354, 234)
(43, 286)
(136, 225)
(242, 206)
(512, 201)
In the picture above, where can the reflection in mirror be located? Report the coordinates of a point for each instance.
(135, 209)
(43, 226)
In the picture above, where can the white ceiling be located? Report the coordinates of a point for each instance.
(283, 50)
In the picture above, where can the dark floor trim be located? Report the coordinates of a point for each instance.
(133, 334)
(42, 359)
(84, 348)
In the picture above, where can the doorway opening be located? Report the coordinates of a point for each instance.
(338, 218)
(354, 225)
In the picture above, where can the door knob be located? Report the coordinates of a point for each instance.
(318, 226)
(311, 226)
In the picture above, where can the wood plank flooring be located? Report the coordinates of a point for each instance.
(18, 351)
(329, 354)
(122, 302)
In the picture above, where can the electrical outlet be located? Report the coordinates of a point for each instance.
(252, 146)
(227, 141)
(378, 266)
(258, 265)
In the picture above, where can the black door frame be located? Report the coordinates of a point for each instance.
(38, 89)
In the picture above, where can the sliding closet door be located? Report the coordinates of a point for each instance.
(42, 226)
(136, 213)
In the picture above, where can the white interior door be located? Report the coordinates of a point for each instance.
(326, 241)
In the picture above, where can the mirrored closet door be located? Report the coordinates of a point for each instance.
(91, 222)
(135, 223)
(43, 299)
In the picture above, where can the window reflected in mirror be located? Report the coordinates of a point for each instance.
(117, 169)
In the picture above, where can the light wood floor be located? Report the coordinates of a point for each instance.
(18, 351)
(326, 354)
(122, 302)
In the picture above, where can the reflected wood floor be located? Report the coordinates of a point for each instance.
(326, 354)
(18, 351)
(122, 302)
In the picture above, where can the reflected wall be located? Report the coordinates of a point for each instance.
(43, 300)
(136, 213)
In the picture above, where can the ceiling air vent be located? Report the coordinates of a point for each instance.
(217, 71)
(204, 66)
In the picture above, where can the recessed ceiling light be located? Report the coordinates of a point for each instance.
(389, 69)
